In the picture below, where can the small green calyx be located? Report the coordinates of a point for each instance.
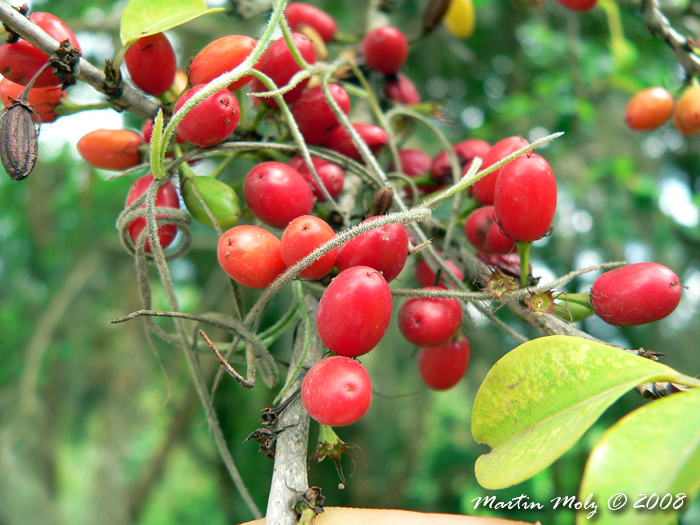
(541, 303)
(499, 284)
(331, 446)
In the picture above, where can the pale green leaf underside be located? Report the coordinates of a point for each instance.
(147, 17)
(540, 398)
(653, 450)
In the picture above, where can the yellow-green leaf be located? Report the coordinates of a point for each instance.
(654, 451)
(540, 398)
(148, 17)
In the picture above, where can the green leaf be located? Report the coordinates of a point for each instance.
(148, 17)
(653, 450)
(540, 398)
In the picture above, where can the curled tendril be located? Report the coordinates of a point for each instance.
(165, 215)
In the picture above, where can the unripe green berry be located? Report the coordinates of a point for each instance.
(220, 198)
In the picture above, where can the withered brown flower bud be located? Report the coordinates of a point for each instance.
(381, 203)
(19, 136)
(433, 14)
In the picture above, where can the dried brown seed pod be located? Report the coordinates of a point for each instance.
(19, 137)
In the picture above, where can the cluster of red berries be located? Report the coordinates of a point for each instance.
(517, 201)
(355, 310)
(385, 50)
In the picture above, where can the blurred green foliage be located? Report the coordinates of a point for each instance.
(99, 424)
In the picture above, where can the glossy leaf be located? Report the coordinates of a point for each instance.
(666, 432)
(540, 398)
(142, 18)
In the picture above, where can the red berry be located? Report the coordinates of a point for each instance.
(219, 57)
(469, 149)
(332, 176)
(354, 311)
(484, 234)
(44, 100)
(385, 49)
(426, 277)
(635, 294)
(340, 141)
(314, 115)
(250, 256)
(441, 367)
(278, 63)
(277, 194)
(336, 391)
(147, 131)
(578, 5)
(483, 189)
(441, 170)
(427, 321)
(300, 14)
(211, 121)
(385, 249)
(166, 197)
(21, 60)
(526, 198)
(414, 162)
(111, 149)
(402, 90)
(302, 236)
(152, 64)
(649, 109)
(466, 152)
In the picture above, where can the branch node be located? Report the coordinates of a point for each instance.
(65, 63)
(113, 85)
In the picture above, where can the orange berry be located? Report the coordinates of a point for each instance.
(649, 109)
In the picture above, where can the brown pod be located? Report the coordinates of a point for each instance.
(19, 134)
(433, 14)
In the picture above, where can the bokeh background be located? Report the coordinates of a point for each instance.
(99, 424)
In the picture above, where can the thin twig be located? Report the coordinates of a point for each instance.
(246, 383)
(190, 354)
(227, 323)
(517, 295)
(682, 46)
